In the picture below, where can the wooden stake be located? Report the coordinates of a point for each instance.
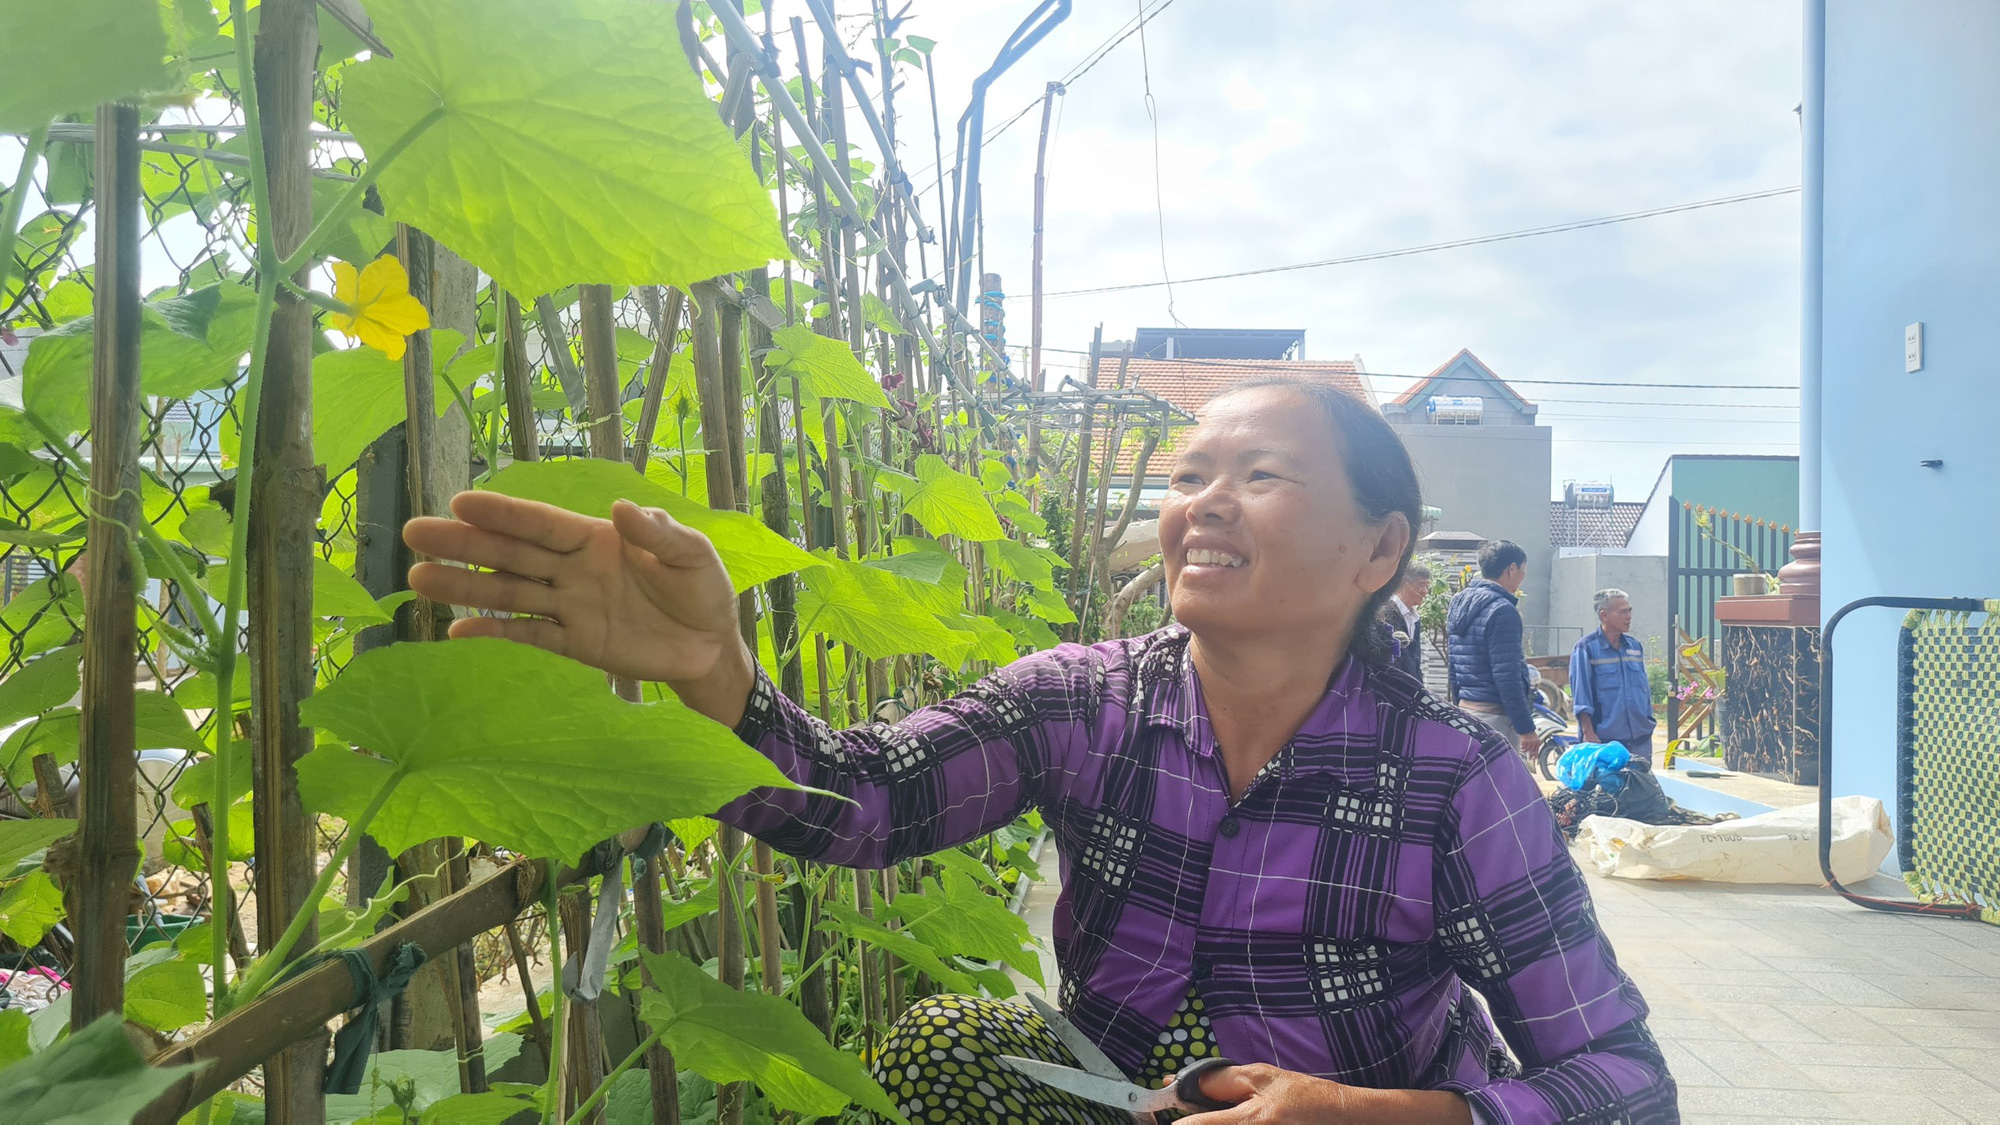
(522, 432)
(107, 848)
(283, 540)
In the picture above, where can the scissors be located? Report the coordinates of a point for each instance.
(1101, 1081)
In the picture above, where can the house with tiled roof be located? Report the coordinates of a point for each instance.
(1485, 463)
(1189, 382)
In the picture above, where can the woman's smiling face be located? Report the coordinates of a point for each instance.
(1260, 532)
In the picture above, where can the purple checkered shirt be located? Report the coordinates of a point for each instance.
(1393, 853)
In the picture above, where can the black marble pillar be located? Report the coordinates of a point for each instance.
(1770, 711)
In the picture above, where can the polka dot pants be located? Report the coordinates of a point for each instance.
(940, 1062)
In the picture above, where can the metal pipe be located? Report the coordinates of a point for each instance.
(972, 130)
(1812, 211)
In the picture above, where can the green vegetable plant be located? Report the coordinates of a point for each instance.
(887, 547)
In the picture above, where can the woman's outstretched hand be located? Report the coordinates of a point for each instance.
(639, 595)
(1266, 1095)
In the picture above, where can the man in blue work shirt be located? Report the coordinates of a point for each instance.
(1489, 676)
(1607, 680)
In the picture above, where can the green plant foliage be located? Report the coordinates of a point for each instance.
(824, 368)
(163, 990)
(515, 746)
(13, 1037)
(1050, 607)
(30, 907)
(42, 685)
(51, 73)
(1029, 632)
(1034, 565)
(189, 343)
(573, 146)
(415, 1083)
(94, 1075)
(730, 1036)
(947, 502)
(160, 724)
(988, 640)
(751, 551)
(20, 839)
(953, 912)
(358, 395)
(874, 611)
(844, 919)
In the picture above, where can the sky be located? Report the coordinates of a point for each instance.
(1297, 130)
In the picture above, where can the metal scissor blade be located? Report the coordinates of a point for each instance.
(1114, 1092)
(1093, 1059)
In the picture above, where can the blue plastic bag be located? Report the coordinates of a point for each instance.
(1600, 762)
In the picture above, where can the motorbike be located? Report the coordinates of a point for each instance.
(1551, 725)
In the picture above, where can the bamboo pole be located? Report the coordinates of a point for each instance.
(666, 331)
(282, 539)
(523, 434)
(107, 851)
(234, 1045)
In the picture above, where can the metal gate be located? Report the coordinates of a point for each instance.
(1706, 549)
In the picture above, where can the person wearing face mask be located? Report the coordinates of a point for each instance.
(1272, 848)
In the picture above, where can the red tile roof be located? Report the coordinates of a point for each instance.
(1190, 383)
(1593, 527)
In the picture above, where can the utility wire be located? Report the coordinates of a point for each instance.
(1159, 198)
(1454, 244)
(1265, 367)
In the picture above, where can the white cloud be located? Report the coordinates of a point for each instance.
(1297, 129)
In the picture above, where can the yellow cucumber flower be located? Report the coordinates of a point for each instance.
(381, 312)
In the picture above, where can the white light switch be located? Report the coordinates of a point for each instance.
(1913, 347)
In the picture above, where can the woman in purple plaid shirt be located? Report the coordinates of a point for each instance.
(1274, 846)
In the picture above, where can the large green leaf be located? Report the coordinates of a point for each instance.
(752, 552)
(869, 609)
(844, 919)
(953, 912)
(160, 724)
(20, 839)
(1034, 565)
(163, 990)
(13, 1037)
(947, 502)
(423, 1079)
(94, 1075)
(41, 686)
(358, 395)
(30, 908)
(188, 343)
(574, 145)
(824, 368)
(730, 1036)
(515, 746)
(985, 638)
(69, 57)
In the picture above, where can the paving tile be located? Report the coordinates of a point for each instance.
(1679, 1029)
(1946, 1087)
(1837, 1024)
(1946, 1035)
(1688, 1071)
(1899, 1017)
(1904, 1108)
(1716, 1103)
(1944, 993)
(1843, 989)
(1749, 1066)
(1762, 1023)
(1863, 1055)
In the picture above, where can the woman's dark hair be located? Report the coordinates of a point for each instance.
(1381, 475)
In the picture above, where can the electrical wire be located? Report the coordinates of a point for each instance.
(1159, 197)
(1432, 247)
(1264, 366)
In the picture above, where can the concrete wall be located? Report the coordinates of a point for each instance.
(1912, 234)
(1494, 481)
(1576, 578)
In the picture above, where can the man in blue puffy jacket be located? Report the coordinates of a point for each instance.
(1489, 674)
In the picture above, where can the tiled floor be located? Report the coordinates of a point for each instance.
(1781, 1003)
(1788, 1003)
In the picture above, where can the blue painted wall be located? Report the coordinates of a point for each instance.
(1912, 212)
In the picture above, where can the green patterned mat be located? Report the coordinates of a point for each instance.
(1948, 757)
